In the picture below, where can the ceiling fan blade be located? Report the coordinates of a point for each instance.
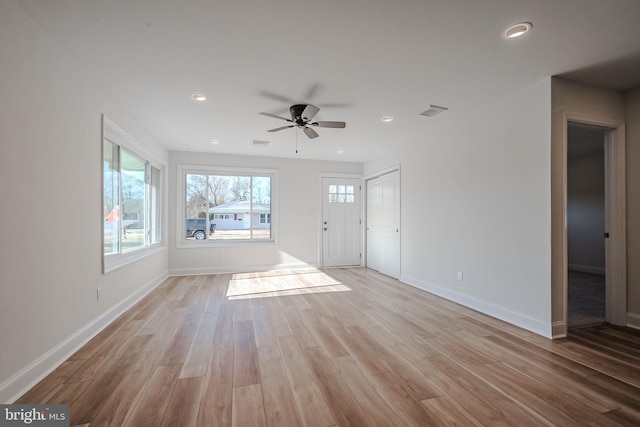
(326, 124)
(313, 90)
(276, 97)
(280, 111)
(309, 112)
(280, 128)
(335, 105)
(310, 133)
(275, 117)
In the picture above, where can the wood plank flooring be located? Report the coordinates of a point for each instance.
(337, 347)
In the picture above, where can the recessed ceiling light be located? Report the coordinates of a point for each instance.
(198, 97)
(214, 141)
(387, 119)
(340, 151)
(516, 30)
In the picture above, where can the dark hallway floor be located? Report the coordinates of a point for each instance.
(586, 299)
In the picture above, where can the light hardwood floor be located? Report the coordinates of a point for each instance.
(336, 347)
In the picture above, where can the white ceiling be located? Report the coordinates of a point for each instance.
(371, 57)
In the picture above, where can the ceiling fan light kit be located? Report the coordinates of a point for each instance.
(301, 116)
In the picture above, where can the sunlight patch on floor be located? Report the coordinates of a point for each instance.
(282, 283)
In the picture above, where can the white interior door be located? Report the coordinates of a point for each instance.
(341, 222)
(383, 224)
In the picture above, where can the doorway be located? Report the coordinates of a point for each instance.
(586, 272)
(341, 223)
(594, 238)
(383, 223)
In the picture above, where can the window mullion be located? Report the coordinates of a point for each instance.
(207, 203)
(251, 207)
(120, 207)
(147, 204)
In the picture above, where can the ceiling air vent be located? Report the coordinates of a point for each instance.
(260, 143)
(433, 110)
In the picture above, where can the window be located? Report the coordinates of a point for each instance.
(231, 204)
(224, 216)
(130, 199)
(341, 194)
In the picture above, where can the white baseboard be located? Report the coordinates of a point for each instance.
(558, 330)
(239, 269)
(529, 324)
(30, 375)
(633, 320)
(586, 269)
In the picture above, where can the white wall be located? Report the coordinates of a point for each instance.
(476, 199)
(632, 117)
(585, 213)
(50, 190)
(297, 216)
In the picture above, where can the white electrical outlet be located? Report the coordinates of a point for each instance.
(460, 275)
(99, 292)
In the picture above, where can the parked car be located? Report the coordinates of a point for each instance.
(197, 228)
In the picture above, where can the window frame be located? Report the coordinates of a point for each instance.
(153, 205)
(184, 170)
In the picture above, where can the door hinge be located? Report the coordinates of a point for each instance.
(360, 255)
(361, 222)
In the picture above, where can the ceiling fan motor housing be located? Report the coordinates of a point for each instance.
(296, 114)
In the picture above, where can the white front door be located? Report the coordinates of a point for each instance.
(340, 222)
(383, 224)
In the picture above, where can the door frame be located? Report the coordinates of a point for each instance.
(321, 177)
(367, 178)
(615, 217)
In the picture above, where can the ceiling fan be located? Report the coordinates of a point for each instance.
(301, 116)
(310, 94)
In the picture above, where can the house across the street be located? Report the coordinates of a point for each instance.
(239, 215)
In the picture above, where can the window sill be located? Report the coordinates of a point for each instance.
(115, 261)
(199, 244)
